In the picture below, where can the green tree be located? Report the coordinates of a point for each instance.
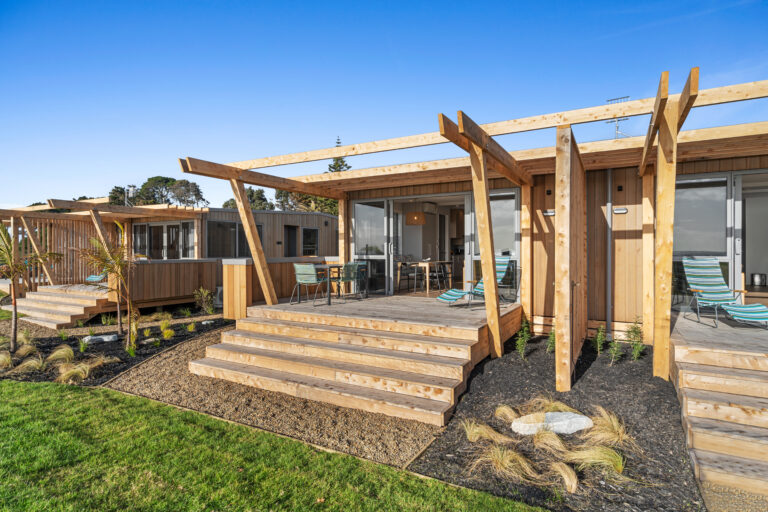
(309, 203)
(256, 197)
(156, 190)
(188, 193)
(117, 195)
(162, 190)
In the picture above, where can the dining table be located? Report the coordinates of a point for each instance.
(427, 266)
(330, 267)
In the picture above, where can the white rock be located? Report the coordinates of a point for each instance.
(557, 422)
(105, 338)
(147, 341)
(207, 322)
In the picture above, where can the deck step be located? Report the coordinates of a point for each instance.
(46, 314)
(66, 298)
(727, 438)
(44, 322)
(746, 474)
(744, 410)
(96, 291)
(450, 347)
(423, 328)
(34, 302)
(414, 384)
(336, 393)
(438, 366)
(729, 357)
(725, 380)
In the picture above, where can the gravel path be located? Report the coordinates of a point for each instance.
(648, 405)
(377, 437)
(727, 499)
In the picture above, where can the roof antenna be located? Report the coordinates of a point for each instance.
(618, 134)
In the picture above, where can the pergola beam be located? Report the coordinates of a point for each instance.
(662, 94)
(126, 211)
(43, 207)
(37, 247)
(688, 96)
(227, 172)
(714, 96)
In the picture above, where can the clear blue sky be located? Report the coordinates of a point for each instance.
(97, 94)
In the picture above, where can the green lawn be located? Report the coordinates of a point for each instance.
(72, 448)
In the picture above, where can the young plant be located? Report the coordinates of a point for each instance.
(5, 360)
(165, 325)
(27, 338)
(24, 351)
(552, 340)
(601, 457)
(615, 351)
(507, 463)
(191, 327)
(147, 332)
(185, 312)
(107, 319)
(91, 331)
(477, 431)
(80, 323)
(156, 343)
(168, 334)
(506, 413)
(608, 430)
(64, 335)
(204, 300)
(599, 340)
(564, 472)
(635, 338)
(523, 336)
(30, 364)
(82, 345)
(61, 354)
(131, 349)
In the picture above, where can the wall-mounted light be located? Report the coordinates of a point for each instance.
(549, 213)
(415, 219)
(549, 192)
(620, 211)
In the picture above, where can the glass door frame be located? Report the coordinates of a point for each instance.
(386, 255)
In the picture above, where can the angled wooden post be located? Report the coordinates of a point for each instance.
(526, 252)
(101, 232)
(481, 194)
(570, 256)
(649, 255)
(34, 240)
(254, 242)
(666, 170)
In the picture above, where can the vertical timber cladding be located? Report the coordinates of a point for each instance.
(570, 256)
(543, 225)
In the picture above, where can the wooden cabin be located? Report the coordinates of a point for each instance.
(595, 231)
(175, 250)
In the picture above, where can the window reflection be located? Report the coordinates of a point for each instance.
(700, 219)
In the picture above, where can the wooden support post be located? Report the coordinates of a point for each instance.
(237, 276)
(666, 170)
(198, 238)
(526, 252)
(35, 241)
(570, 256)
(649, 257)
(101, 232)
(480, 188)
(128, 226)
(14, 230)
(252, 234)
(344, 225)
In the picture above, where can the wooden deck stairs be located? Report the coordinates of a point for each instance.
(57, 307)
(723, 389)
(409, 369)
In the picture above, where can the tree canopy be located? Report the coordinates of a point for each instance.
(162, 190)
(256, 197)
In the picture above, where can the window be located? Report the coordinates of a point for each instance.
(701, 218)
(156, 236)
(504, 221)
(187, 240)
(222, 239)
(369, 228)
(140, 240)
(290, 241)
(309, 238)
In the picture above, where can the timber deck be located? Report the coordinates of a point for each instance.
(403, 356)
(61, 306)
(721, 375)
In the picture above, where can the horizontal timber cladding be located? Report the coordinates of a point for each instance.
(173, 280)
(417, 190)
(746, 163)
(272, 223)
(284, 279)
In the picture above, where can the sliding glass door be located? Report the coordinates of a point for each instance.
(370, 242)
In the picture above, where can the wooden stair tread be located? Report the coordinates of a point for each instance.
(423, 405)
(95, 291)
(57, 306)
(44, 322)
(725, 372)
(428, 380)
(737, 468)
(41, 311)
(69, 298)
(715, 397)
(744, 349)
(721, 428)
(382, 352)
(417, 338)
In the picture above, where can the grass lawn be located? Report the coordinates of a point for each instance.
(72, 448)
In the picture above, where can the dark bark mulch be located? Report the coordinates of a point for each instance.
(47, 339)
(663, 478)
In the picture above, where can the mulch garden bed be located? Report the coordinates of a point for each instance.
(47, 339)
(662, 478)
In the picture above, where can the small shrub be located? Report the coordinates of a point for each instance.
(26, 337)
(523, 337)
(599, 340)
(165, 325)
(506, 413)
(82, 345)
(80, 323)
(147, 332)
(107, 319)
(64, 335)
(160, 316)
(552, 340)
(131, 350)
(191, 327)
(185, 312)
(477, 431)
(5, 360)
(60, 354)
(635, 338)
(156, 343)
(615, 351)
(168, 334)
(204, 300)
(91, 331)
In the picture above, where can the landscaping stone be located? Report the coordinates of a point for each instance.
(207, 322)
(148, 341)
(104, 338)
(557, 422)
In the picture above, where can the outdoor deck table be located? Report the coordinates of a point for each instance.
(426, 266)
(328, 267)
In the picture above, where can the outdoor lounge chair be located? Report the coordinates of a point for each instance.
(453, 295)
(306, 275)
(708, 288)
(748, 313)
(96, 278)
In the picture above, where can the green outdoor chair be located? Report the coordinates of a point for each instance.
(350, 273)
(453, 295)
(306, 275)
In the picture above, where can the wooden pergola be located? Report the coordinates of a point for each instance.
(569, 161)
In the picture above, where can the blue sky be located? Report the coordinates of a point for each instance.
(98, 94)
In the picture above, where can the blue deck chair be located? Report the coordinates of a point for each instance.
(453, 295)
(707, 286)
(306, 275)
(96, 278)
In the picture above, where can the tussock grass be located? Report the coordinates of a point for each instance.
(477, 431)
(5, 360)
(506, 413)
(192, 327)
(24, 351)
(60, 354)
(550, 442)
(544, 403)
(74, 373)
(165, 325)
(30, 364)
(100, 360)
(4, 342)
(608, 430)
(168, 334)
(506, 462)
(566, 474)
(601, 457)
(26, 338)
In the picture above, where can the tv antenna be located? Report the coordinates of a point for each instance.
(618, 133)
